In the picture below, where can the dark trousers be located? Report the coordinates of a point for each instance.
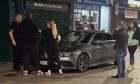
(30, 54)
(53, 53)
(17, 57)
(132, 50)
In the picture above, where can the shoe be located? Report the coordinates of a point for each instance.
(25, 73)
(39, 72)
(60, 72)
(132, 67)
(48, 73)
(129, 68)
(117, 76)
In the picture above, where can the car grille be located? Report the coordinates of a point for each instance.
(60, 54)
(44, 56)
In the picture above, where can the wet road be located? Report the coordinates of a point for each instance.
(96, 75)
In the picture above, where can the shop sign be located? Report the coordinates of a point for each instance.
(46, 6)
(131, 14)
(134, 3)
(79, 0)
(92, 1)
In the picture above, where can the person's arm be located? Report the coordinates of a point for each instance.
(58, 38)
(36, 29)
(12, 37)
(139, 44)
(138, 38)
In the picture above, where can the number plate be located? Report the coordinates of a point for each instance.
(44, 62)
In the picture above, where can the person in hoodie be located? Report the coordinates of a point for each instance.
(52, 39)
(28, 37)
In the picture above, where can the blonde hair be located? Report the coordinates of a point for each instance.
(54, 29)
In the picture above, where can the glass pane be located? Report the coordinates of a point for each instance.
(79, 11)
(75, 10)
(85, 12)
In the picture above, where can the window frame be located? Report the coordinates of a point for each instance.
(106, 40)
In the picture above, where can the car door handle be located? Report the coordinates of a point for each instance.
(105, 45)
(99, 46)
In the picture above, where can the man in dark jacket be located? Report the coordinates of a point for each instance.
(13, 33)
(121, 37)
(28, 38)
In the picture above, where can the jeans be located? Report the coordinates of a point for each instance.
(121, 54)
(132, 50)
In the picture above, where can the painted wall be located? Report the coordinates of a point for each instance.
(5, 50)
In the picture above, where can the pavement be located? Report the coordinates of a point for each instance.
(96, 75)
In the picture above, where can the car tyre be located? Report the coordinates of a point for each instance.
(83, 63)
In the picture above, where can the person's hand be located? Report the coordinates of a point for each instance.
(117, 29)
(139, 47)
(58, 38)
(40, 31)
(14, 43)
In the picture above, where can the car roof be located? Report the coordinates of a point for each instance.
(88, 31)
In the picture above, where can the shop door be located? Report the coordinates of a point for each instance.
(60, 18)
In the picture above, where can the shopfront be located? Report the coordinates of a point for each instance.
(135, 4)
(44, 11)
(58, 10)
(92, 15)
(129, 11)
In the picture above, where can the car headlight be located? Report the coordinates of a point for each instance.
(67, 54)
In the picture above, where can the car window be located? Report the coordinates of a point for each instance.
(108, 37)
(101, 37)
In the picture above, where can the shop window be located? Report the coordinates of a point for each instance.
(94, 18)
(105, 18)
(86, 19)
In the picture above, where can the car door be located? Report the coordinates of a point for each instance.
(99, 50)
(109, 43)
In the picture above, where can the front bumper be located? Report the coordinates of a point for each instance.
(65, 62)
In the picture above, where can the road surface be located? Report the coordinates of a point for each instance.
(95, 75)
